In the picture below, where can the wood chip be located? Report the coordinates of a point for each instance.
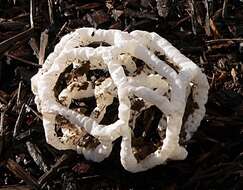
(19, 172)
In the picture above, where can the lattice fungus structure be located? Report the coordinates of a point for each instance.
(101, 85)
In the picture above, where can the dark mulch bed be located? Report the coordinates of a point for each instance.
(209, 32)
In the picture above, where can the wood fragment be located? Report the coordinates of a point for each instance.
(22, 60)
(5, 45)
(163, 7)
(60, 32)
(139, 14)
(16, 187)
(181, 21)
(89, 6)
(1, 65)
(32, 12)
(11, 101)
(26, 134)
(214, 28)
(19, 172)
(234, 75)
(35, 153)
(50, 9)
(207, 19)
(18, 101)
(1, 131)
(209, 42)
(3, 97)
(12, 25)
(19, 120)
(212, 172)
(132, 25)
(52, 171)
(224, 9)
(35, 112)
(109, 4)
(97, 18)
(43, 44)
(193, 16)
(20, 17)
(33, 45)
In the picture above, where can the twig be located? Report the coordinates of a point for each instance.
(25, 134)
(6, 44)
(207, 21)
(22, 174)
(43, 44)
(214, 28)
(61, 30)
(21, 16)
(19, 120)
(209, 42)
(193, 22)
(12, 25)
(22, 60)
(59, 33)
(134, 25)
(224, 9)
(11, 101)
(181, 21)
(50, 8)
(1, 131)
(217, 170)
(32, 13)
(31, 109)
(34, 47)
(89, 6)
(19, 93)
(1, 123)
(35, 153)
(135, 14)
(0, 70)
(53, 170)
(16, 187)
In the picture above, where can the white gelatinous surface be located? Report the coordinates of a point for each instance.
(157, 83)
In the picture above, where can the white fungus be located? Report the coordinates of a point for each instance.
(163, 78)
